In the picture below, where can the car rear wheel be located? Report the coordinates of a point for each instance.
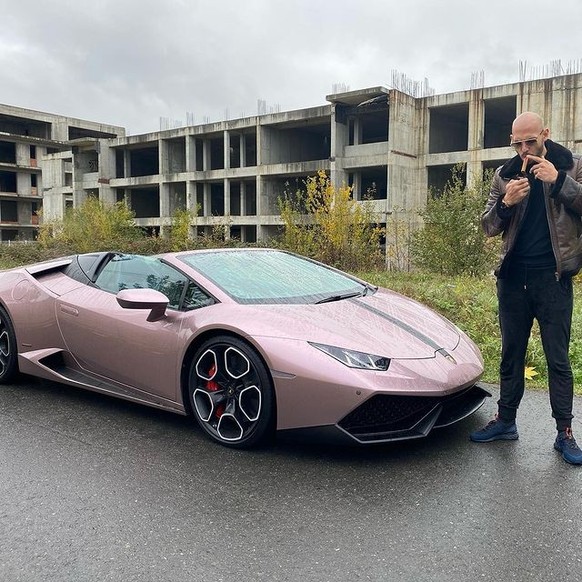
(231, 393)
(8, 351)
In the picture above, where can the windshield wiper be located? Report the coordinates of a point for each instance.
(340, 297)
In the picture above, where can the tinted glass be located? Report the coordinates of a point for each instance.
(137, 272)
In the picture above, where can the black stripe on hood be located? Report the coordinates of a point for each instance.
(401, 324)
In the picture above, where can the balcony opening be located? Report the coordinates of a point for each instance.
(217, 199)
(499, 116)
(7, 152)
(439, 176)
(449, 128)
(145, 202)
(300, 141)
(145, 161)
(8, 211)
(8, 182)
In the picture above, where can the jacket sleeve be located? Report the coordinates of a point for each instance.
(568, 188)
(494, 219)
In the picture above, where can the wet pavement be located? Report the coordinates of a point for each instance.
(95, 489)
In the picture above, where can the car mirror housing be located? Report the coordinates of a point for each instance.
(144, 299)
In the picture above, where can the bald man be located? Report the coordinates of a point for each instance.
(535, 203)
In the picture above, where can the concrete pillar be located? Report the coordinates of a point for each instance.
(339, 139)
(474, 173)
(476, 120)
(165, 206)
(357, 186)
(190, 153)
(23, 212)
(227, 197)
(23, 184)
(207, 204)
(106, 163)
(191, 196)
(163, 160)
(243, 199)
(126, 164)
(22, 154)
(191, 206)
(357, 131)
(206, 155)
(226, 145)
(476, 137)
(261, 230)
(243, 150)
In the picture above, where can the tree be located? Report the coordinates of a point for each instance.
(451, 241)
(327, 224)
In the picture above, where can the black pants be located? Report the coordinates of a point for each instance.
(523, 296)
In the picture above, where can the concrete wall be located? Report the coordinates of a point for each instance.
(209, 163)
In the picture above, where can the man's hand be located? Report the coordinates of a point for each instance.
(543, 169)
(516, 191)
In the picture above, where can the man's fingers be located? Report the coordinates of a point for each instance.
(534, 158)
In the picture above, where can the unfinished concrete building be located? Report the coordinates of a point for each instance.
(383, 142)
(36, 166)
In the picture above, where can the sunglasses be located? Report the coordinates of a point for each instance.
(528, 142)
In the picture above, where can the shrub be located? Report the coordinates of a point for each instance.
(327, 224)
(91, 226)
(451, 241)
(180, 231)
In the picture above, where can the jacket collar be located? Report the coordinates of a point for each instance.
(560, 156)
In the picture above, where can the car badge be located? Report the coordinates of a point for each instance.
(446, 355)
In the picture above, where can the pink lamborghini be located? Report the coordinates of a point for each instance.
(247, 341)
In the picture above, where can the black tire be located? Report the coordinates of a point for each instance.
(8, 349)
(231, 393)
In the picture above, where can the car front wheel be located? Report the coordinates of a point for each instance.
(231, 393)
(8, 350)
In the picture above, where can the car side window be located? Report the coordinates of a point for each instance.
(138, 272)
(196, 297)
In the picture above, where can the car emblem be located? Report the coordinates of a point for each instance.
(448, 356)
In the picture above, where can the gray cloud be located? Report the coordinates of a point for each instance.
(130, 62)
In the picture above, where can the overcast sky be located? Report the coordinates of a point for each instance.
(132, 62)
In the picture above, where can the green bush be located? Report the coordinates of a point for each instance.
(327, 224)
(91, 226)
(451, 241)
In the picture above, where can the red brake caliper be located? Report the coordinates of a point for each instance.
(213, 386)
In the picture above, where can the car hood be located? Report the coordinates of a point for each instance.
(385, 323)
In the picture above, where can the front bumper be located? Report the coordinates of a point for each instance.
(386, 418)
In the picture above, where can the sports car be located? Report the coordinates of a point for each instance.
(248, 341)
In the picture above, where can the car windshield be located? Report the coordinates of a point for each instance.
(270, 276)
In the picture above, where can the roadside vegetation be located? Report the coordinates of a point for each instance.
(445, 263)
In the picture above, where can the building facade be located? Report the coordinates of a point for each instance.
(388, 145)
(36, 158)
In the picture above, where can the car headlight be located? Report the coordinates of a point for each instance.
(354, 359)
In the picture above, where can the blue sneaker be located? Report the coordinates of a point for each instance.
(496, 430)
(566, 444)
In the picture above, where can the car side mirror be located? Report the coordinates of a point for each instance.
(144, 299)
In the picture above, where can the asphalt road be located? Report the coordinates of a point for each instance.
(95, 489)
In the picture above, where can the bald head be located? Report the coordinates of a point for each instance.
(527, 120)
(528, 135)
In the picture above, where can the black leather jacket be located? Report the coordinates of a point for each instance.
(563, 208)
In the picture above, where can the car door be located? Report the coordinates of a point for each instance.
(120, 344)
